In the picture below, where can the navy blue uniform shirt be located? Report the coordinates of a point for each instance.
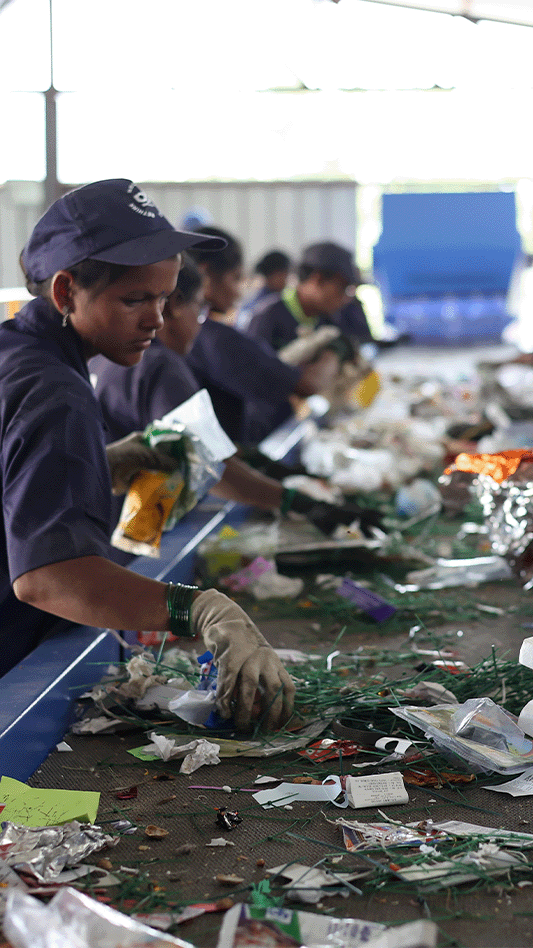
(56, 488)
(131, 398)
(248, 384)
(249, 306)
(273, 321)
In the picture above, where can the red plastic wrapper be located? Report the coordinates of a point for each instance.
(329, 750)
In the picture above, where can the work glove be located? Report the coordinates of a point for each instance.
(343, 347)
(245, 662)
(326, 517)
(308, 347)
(129, 456)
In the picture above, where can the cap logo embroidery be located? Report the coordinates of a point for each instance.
(142, 202)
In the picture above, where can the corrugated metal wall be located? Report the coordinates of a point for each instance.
(286, 215)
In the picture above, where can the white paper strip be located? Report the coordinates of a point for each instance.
(302, 792)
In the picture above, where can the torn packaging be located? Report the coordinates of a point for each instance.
(311, 884)
(362, 836)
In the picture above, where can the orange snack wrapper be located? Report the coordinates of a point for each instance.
(147, 506)
(498, 466)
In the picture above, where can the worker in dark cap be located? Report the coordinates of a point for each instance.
(325, 273)
(101, 262)
(248, 384)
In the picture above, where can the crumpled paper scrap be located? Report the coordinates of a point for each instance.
(96, 725)
(272, 585)
(195, 754)
(311, 884)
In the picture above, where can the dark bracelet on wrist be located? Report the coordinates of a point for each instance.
(296, 501)
(179, 601)
(287, 498)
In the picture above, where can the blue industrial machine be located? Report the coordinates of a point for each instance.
(444, 264)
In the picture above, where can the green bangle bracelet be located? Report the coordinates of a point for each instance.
(287, 498)
(179, 601)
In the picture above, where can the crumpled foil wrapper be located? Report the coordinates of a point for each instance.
(456, 490)
(508, 511)
(44, 851)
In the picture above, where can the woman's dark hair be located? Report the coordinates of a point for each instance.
(89, 274)
(273, 262)
(218, 261)
(189, 279)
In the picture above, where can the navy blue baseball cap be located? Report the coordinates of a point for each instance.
(112, 220)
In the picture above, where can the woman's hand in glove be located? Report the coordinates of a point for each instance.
(129, 456)
(245, 661)
(328, 516)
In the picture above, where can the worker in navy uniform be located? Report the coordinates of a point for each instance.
(325, 273)
(274, 267)
(249, 385)
(131, 398)
(101, 262)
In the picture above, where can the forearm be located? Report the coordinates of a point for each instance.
(319, 375)
(240, 482)
(94, 591)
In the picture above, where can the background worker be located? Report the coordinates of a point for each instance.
(249, 385)
(131, 398)
(101, 263)
(274, 267)
(325, 272)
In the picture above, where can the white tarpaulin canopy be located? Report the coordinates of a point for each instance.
(266, 89)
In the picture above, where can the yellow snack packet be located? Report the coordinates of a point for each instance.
(148, 504)
(365, 391)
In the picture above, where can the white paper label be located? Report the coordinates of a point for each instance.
(376, 790)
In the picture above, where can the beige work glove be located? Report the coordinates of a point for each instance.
(306, 348)
(129, 456)
(245, 661)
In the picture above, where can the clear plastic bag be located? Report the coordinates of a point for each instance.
(447, 573)
(73, 920)
(478, 735)
(155, 502)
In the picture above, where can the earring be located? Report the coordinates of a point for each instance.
(66, 313)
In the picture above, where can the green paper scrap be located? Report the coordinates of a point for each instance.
(31, 806)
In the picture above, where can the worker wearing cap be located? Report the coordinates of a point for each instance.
(325, 272)
(249, 384)
(133, 397)
(101, 262)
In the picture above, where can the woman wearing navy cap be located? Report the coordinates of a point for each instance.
(102, 261)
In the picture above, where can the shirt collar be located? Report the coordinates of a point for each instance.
(290, 297)
(40, 318)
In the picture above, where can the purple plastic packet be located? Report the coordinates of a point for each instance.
(375, 606)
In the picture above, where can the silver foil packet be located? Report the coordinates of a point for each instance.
(508, 511)
(44, 851)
